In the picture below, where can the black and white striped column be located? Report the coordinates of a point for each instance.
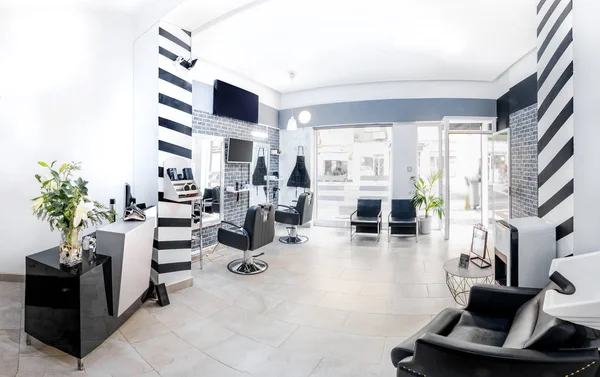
(555, 119)
(171, 260)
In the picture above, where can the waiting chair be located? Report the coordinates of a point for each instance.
(366, 218)
(502, 332)
(300, 214)
(216, 199)
(403, 219)
(258, 231)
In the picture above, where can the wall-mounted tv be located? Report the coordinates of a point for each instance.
(239, 151)
(233, 102)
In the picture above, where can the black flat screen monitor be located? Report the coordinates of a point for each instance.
(233, 102)
(239, 151)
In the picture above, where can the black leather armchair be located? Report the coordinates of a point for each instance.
(503, 332)
(403, 219)
(295, 216)
(366, 218)
(258, 231)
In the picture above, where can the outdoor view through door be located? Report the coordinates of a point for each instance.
(352, 163)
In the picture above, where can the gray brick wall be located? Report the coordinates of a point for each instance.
(209, 124)
(209, 237)
(524, 163)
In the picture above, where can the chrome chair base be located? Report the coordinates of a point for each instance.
(293, 239)
(250, 267)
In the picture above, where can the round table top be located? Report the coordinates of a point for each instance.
(474, 272)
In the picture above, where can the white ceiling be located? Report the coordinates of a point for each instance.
(113, 5)
(338, 42)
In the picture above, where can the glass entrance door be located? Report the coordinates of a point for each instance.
(499, 170)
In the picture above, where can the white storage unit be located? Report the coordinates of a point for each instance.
(524, 250)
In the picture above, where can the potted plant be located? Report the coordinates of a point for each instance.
(65, 205)
(423, 198)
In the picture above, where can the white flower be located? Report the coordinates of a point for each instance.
(81, 212)
(37, 204)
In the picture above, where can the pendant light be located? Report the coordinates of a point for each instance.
(292, 125)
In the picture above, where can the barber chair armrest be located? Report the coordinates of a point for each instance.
(238, 238)
(498, 300)
(352, 214)
(288, 207)
(437, 355)
(380, 216)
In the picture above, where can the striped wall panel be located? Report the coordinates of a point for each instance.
(171, 257)
(555, 118)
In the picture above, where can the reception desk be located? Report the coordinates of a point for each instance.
(76, 309)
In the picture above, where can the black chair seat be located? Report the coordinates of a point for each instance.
(364, 220)
(287, 216)
(401, 221)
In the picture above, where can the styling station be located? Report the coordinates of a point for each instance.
(75, 309)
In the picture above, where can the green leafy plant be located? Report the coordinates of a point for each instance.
(423, 196)
(64, 202)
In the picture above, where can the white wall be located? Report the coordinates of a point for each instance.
(208, 72)
(145, 115)
(404, 157)
(65, 94)
(586, 30)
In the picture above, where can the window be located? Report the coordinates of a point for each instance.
(352, 162)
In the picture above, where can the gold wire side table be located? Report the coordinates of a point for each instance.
(460, 280)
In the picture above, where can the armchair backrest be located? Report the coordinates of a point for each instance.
(305, 207)
(260, 225)
(403, 209)
(207, 194)
(532, 328)
(368, 207)
(216, 193)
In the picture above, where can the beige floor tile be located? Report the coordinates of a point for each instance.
(203, 333)
(356, 303)
(378, 276)
(286, 277)
(11, 293)
(329, 367)
(241, 353)
(308, 315)
(325, 343)
(142, 326)
(9, 351)
(200, 301)
(254, 326)
(421, 277)
(419, 306)
(334, 285)
(293, 293)
(171, 356)
(176, 315)
(394, 290)
(10, 316)
(52, 365)
(438, 290)
(116, 356)
(384, 325)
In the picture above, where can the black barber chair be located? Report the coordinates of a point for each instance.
(258, 231)
(503, 332)
(295, 216)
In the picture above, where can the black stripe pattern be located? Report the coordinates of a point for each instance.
(556, 144)
(170, 264)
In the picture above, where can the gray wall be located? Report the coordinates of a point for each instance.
(524, 162)
(392, 110)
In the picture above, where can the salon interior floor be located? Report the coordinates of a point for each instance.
(325, 308)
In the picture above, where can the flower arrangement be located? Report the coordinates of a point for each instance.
(65, 205)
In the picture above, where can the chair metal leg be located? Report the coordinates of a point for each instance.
(79, 364)
(389, 233)
(27, 339)
(417, 233)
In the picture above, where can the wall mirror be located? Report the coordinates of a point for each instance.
(208, 165)
(259, 192)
